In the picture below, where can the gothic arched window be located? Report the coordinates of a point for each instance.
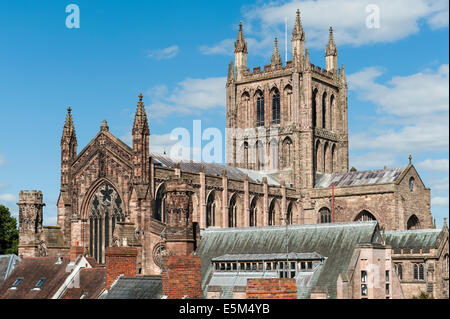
(411, 184)
(253, 213)
(260, 110)
(210, 211)
(274, 154)
(260, 155)
(289, 215)
(324, 110)
(413, 223)
(160, 206)
(232, 213)
(314, 108)
(276, 108)
(105, 211)
(272, 213)
(325, 215)
(332, 110)
(364, 216)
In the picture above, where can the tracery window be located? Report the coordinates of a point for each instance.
(253, 213)
(419, 272)
(276, 108)
(364, 216)
(260, 110)
(232, 213)
(105, 211)
(325, 215)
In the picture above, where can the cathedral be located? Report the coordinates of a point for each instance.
(287, 163)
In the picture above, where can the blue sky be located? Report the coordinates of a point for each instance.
(177, 54)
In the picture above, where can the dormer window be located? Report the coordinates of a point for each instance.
(39, 283)
(17, 282)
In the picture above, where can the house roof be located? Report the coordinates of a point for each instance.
(213, 169)
(335, 242)
(411, 239)
(92, 283)
(357, 178)
(146, 287)
(7, 264)
(33, 269)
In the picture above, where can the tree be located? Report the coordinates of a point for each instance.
(9, 234)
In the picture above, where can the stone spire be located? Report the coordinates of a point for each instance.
(140, 119)
(276, 58)
(141, 147)
(342, 79)
(298, 33)
(69, 128)
(240, 45)
(240, 54)
(298, 38)
(331, 53)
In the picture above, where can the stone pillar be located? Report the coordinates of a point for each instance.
(225, 200)
(30, 224)
(265, 202)
(202, 199)
(246, 202)
(283, 204)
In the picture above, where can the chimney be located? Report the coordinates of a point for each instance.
(75, 251)
(181, 277)
(120, 261)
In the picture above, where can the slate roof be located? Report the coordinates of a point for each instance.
(7, 264)
(357, 178)
(336, 242)
(32, 269)
(277, 256)
(146, 287)
(213, 169)
(420, 238)
(92, 283)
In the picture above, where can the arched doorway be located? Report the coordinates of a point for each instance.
(413, 223)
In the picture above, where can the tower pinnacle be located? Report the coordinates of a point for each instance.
(140, 119)
(331, 53)
(276, 58)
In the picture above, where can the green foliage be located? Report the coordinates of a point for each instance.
(9, 234)
(423, 295)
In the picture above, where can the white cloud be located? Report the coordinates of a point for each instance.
(164, 54)
(418, 105)
(439, 201)
(398, 19)
(414, 95)
(439, 165)
(187, 97)
(8, 197)
(371, 161)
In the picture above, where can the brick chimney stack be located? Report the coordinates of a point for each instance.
(120, 261)
(181, 277)
(75, 251)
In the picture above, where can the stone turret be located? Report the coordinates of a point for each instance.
(240, 54)
(30, 222)
(68, 149)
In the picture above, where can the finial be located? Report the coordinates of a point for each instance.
(69, 109)
(331, 29)
(104, 126)
(445, 222)
(140, 97)
(240, 26)
(298, 12)
(410, 159)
